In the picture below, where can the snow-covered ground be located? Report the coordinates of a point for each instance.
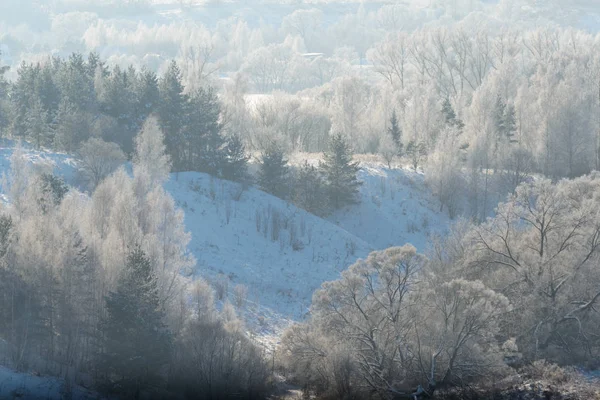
(233, 237)
(15, 385)
(243, 236)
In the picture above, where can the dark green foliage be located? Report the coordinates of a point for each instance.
(72, 127)
(396, 132)
(147, 95)
(510, 123)
(204, 142)
(450, 116)
(76, 85)
(505, 121)
(64, 102)
(309, 190)
(235, 166)
(340, 173)
(55, 186)
(273, 172)
(136, 341)
(171, 113)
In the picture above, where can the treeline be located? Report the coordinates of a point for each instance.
(62, 103)
(80, 105)
(98, 290)
(485, 300)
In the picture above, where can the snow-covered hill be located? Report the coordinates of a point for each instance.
(282, 253)
(243, 236)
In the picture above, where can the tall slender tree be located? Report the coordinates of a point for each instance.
(396, 132)
(136, 341)
(340, 173)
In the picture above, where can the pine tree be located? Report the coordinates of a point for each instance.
(37, 128)
(147, 95)
(273, 172)
(309, 190)
(396, 132)
(136, 341)
(340, 173)
(510, 123)
(450, 116)
(171, 114)
(499, 113)
(235, 166)
(203, 134)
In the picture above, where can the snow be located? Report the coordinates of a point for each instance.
(61, 164)
(395, 209)
(232, 233)
(28, 386)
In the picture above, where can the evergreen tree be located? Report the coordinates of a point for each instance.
(450, 116)
(147, 95)
(76, 86)
(499, 113)
(136, 341)
(396, 132)
(309, 190)
(22, 95)
(47, 91)
(340, 173)
(510, 123)
(235, 166)
(205, 143)
(273, 172)
(36, 125)
(171, 114)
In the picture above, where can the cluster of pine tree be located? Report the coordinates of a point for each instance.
(62, 103)
(332, 185)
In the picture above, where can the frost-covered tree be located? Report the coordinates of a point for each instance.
(98, 160)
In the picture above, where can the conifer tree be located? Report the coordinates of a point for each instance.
(510, 123)
(273, 172)
(340, 173)
(147, 96)
(450, 116)
(171, 114)
(37, 127)
(203, 135)
(309, 190)
(396, 132)
(136, 341)
(235, 166)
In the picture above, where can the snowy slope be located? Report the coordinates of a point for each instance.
(15, 385)
(232, 235)
(244, 236)
(281, 271)
(395, 208)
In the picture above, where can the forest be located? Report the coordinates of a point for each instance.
(489, 112)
